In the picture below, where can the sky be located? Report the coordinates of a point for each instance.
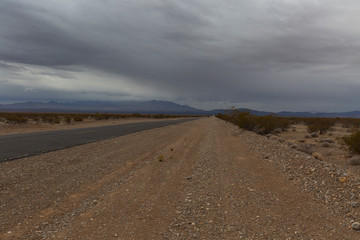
(274, 55)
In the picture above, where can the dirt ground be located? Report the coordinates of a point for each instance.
(31, 126)
(203, 179)
(328, 146)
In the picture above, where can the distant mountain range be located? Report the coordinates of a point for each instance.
(152, 107)
(353, 114)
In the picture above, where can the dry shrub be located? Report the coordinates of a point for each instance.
(353, 142)
(321, 125)
(259, 124)
(350, 122)
(15, 119)
(68, 119)
(77, 117)
(51, 118)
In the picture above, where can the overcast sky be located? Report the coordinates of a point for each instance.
(262, 54)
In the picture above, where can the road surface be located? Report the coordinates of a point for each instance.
(28, 144)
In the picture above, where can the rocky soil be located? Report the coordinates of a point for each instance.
(203, 179)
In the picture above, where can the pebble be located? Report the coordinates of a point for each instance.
(317, 155)
(314, 135)
(354, 204)
(342, 179)
(328, 141)
(355, 160)
(355, 226)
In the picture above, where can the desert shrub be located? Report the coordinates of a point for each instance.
(47, 118)
(97, 116)
(306, 148)
(321, 125)
(353, 142)
(224, 117)
(78, 118)
(160, 116)
(68, 119)
(268, 124)
(259, 124)
(104, 116)
(14, 118)
(350, 122)
(136, 115)
(244, 120)
(51, 118)
(56, 119)
(36, 118)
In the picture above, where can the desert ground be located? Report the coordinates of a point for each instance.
(204, 179)
(327, 147)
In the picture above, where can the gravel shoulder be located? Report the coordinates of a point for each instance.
(203, 179)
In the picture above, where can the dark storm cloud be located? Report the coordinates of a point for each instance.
(29, 35)
(270, 54)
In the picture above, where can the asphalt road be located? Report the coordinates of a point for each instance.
(24, 145)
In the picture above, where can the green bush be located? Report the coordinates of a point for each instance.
(353, 142)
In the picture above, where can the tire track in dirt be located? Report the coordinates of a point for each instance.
(234, 194)
(58, 184)
(196, 180)
(143, 205)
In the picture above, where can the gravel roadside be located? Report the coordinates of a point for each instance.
(203, 179)
(332, 185)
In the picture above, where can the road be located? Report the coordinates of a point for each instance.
(23, 145)
(195, 180)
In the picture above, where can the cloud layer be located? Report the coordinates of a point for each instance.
(269, 54)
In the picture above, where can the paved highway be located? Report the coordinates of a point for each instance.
(24, 145)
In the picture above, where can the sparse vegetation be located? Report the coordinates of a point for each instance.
(259, 124)
(272, 123)
(14, 118)
(50, 118)
(353, 142)
(78, 118)
(67, 118)
(321, 125)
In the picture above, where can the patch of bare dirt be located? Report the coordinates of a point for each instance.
(203, 179)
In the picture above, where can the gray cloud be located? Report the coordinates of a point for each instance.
(272, 55)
